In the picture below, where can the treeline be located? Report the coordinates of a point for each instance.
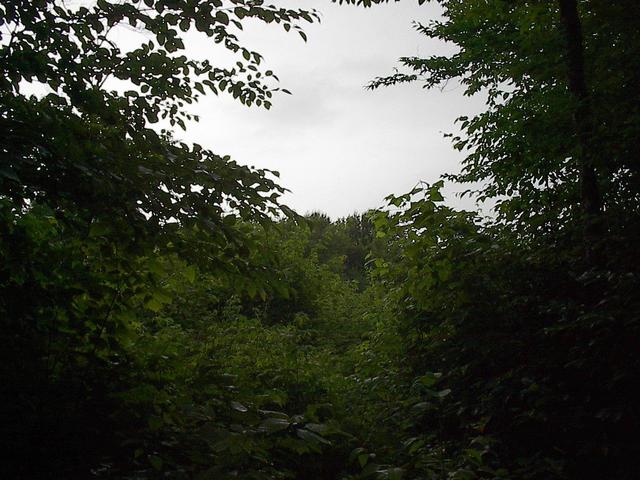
(164, 316)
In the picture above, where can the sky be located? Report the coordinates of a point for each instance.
(338, 147)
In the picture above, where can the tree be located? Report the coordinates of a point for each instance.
(89, 141)
(525, 336)
(556, 138)
(103, 211)
(590, 195)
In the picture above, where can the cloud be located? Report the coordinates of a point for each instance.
(339, 147)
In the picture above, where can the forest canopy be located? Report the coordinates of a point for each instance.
(164, 315)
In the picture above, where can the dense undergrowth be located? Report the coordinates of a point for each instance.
(459, 353)
(164, 316)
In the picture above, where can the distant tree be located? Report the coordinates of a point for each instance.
(344, 243)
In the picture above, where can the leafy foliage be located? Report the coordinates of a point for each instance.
(524, 148)
(164, 317)
(88, 141)
(105, 215)
(518, 330)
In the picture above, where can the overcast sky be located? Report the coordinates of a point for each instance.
(338, 147)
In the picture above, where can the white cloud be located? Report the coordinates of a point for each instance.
(338, 147)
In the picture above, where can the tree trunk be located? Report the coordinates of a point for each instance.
(589, 190)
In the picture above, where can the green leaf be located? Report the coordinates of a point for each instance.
(99, 229)
(429, 379)
(222, 17)
(271, 425)
(319, 428)
(463, 474)
(157, 301)
(190, 273)
(239, 407)
(355, 453)
(311, 437)
(443, 393)
(395, 473)
(156, 462)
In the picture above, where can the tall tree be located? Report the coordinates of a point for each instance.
(96, 137)
(590, 194)
(524, 328)
(540, 146)
(103, 209)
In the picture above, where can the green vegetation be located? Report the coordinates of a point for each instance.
(163, 316)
